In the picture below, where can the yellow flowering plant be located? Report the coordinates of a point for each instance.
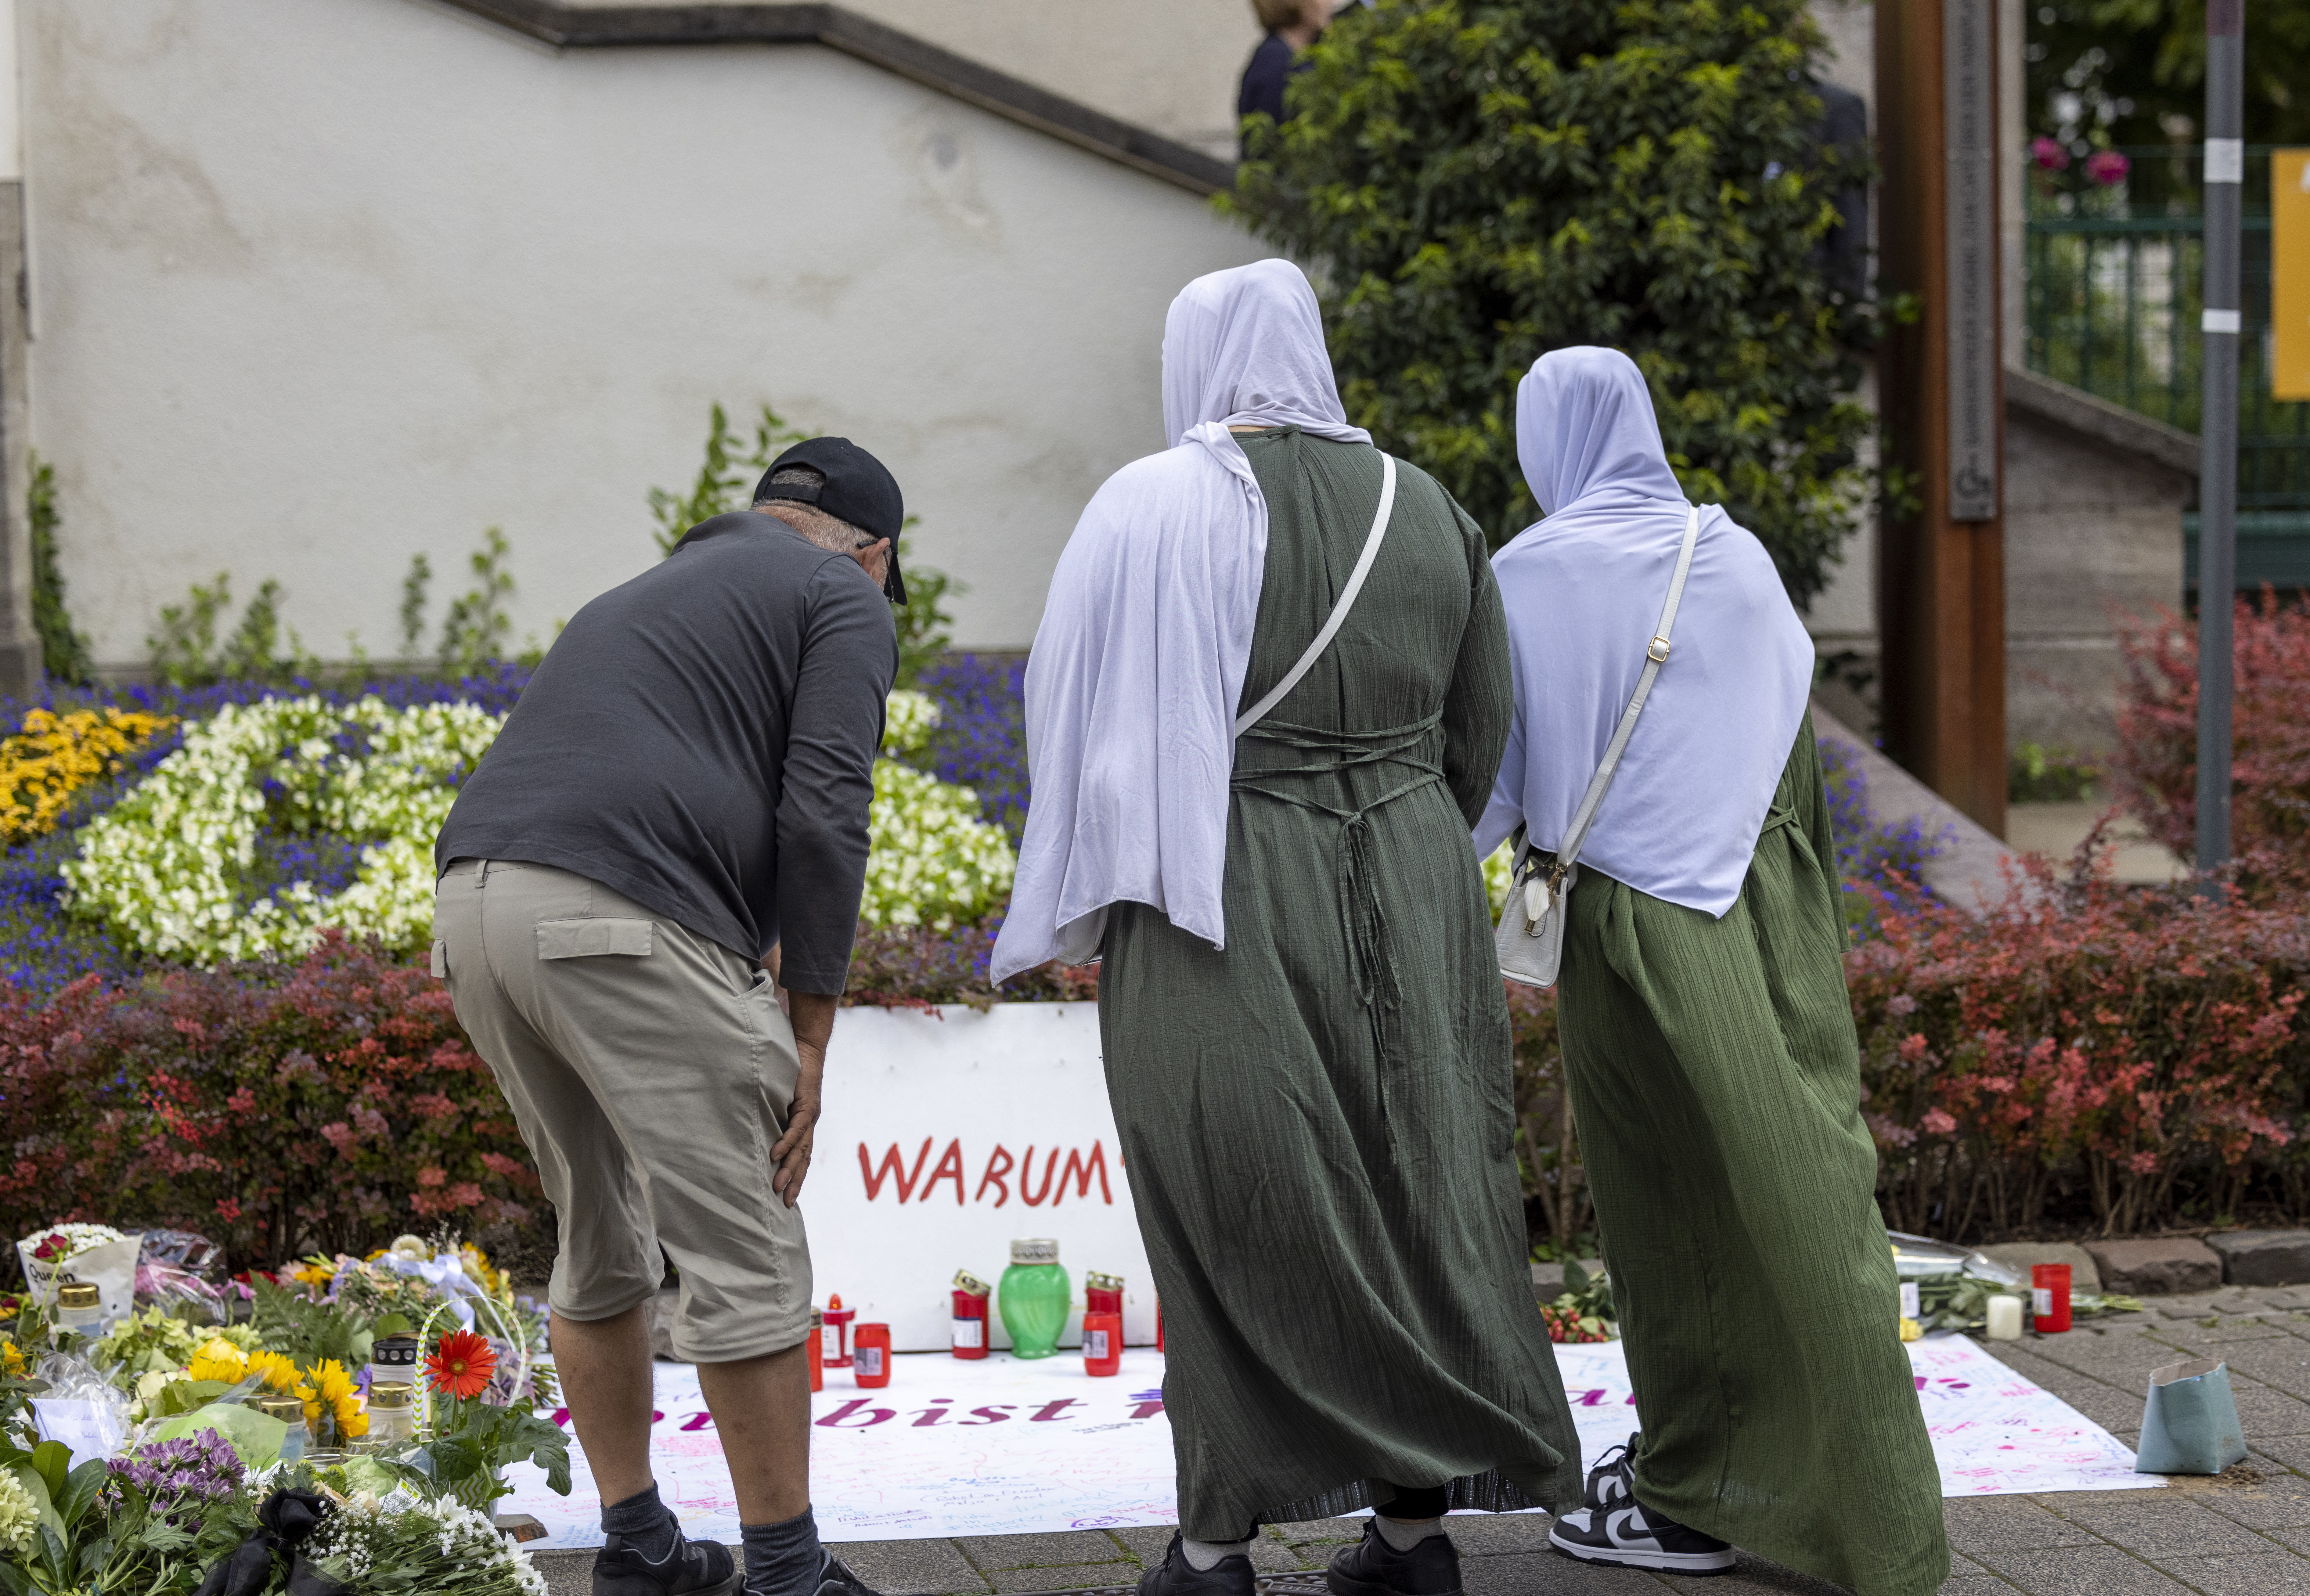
(53, 757)
(218, 1359)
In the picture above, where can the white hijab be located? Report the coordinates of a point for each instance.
(1139, 662)
(1584, 590)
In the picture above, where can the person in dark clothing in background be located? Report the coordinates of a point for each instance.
(1292, 25)
(680, 796)
(1842, 133)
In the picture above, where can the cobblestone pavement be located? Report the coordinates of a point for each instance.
(2245, 1534)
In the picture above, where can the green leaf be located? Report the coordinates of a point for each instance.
(185, 1396)
(82, 1487)
(53, 1459)
(393, 1324)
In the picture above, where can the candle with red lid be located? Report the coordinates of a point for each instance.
(1102, 1343)
(871, 1356)
(834, 1334)
(970, 1293)
(817, 1375)
(2050, 1287)
(1102, 1293)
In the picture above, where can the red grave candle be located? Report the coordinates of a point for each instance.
(1102, 1293)
(870, 1357)
(1102, 1342)
(817, 1375)
(834, 1334)
(2050, 1293)
(970, 1292)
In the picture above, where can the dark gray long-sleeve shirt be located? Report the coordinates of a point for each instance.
(703, 738)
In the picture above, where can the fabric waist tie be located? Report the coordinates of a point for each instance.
(1362, 918)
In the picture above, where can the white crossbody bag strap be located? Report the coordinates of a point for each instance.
(1655, 655)
(1258, 712)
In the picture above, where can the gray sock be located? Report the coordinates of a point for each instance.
(783, 1559)
(1404, 1534)
(642, 1522)
(1203, 1555)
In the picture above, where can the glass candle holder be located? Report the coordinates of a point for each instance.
(971, 1339)
(1102, 1343)
(2049, 1290)
(1034, 1298)
(870, 1356)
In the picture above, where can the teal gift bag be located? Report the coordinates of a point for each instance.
(2190, 1424)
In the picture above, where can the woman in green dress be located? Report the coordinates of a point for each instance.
(1306, 1040)
(1707, 1036)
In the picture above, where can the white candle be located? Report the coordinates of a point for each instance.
(2004, 1318)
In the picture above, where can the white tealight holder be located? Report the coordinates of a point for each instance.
(2004, 1318)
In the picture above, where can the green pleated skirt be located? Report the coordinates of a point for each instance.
(1715, 1084)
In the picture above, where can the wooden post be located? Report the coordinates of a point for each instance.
(1941, 584)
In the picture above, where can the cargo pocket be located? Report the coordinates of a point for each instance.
(440, 958)
(592, 937)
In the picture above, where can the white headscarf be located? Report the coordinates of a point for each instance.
(1584, 590)
(1138, 664)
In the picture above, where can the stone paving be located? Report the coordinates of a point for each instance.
(2244, 1534)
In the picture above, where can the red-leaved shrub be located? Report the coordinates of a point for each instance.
(2156, 764)
(2127, 1042)
(323, 1104)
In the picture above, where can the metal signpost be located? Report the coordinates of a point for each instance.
(2225, 173)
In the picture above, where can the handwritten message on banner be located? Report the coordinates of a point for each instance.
(1003, 1447)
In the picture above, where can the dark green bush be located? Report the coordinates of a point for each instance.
(1476, 183)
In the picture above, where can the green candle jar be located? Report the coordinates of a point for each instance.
(1033, 1298)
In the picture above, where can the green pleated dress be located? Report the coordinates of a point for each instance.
(1715, 1084)
(1319, 1121)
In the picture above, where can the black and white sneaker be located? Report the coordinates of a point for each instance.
(1636, 1536)
(1612, 1482)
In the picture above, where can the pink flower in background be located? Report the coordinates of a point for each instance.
(2107, 167)
(2048, 153)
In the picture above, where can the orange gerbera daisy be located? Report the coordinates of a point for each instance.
(461, 1366)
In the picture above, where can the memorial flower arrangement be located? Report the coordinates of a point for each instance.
(440, 1547)
(932, 860)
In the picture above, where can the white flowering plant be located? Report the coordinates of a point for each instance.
(212, 857)
(278, 817)
(933, 861)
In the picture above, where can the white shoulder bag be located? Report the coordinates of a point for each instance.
(1079, 939)
(1530, 940)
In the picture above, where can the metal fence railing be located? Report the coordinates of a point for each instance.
(2112, 271)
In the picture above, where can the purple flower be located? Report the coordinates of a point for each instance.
(2107, 167)
(2049, 154)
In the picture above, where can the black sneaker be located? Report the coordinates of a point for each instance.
(692, 1568)
(1636, 1536)
(1176, 1576)
(1612, 1482)
(1374, 1568)
(836, 1579)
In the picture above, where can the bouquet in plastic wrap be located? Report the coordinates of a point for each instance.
(1954, 1284)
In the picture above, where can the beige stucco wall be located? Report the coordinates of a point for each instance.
(1172, 67)
(319, 287)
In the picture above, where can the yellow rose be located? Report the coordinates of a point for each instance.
(218, 1359)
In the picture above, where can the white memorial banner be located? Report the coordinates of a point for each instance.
(948, 1135)
(998, 1446)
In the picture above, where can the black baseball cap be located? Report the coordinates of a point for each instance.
(858, 489)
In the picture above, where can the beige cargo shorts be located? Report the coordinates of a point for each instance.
(650, 1071)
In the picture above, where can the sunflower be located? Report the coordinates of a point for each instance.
(460, 1366)
(330, 1388)
(218, 1359)
(277, 1371)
